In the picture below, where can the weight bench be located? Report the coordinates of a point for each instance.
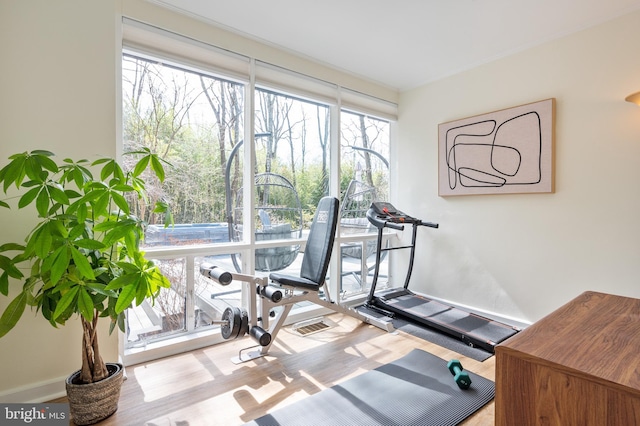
(283, 290)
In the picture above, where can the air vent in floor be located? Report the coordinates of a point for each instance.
(305, 328)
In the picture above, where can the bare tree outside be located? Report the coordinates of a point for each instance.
(365, 148)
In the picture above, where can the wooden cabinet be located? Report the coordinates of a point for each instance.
(580, 365)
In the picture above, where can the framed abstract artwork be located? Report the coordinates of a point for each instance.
(503, 152)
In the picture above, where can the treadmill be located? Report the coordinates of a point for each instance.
(472, 329)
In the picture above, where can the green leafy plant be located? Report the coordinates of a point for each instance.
(83, 257)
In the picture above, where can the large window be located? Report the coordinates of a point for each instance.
(250, 219)
(194, 121)
(364, 178)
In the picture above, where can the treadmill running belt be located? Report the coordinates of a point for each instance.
(420, 306)
(450, 319)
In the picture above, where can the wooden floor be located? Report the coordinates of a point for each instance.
(204, 387)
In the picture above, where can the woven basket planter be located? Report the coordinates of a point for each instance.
(90, 403)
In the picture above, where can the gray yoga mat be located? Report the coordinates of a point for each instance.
(414, 390)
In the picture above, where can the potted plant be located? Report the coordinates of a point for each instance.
(82, 259)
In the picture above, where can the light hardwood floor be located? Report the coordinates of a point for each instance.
(204, 387)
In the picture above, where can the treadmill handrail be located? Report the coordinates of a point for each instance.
(429, 224)
(380, 222)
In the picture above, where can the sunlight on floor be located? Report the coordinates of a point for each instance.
(147, 377)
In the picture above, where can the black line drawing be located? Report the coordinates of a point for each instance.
(496, 152)
(502, 155)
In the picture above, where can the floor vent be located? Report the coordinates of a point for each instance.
(316, 325)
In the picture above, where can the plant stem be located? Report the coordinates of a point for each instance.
(93, 367)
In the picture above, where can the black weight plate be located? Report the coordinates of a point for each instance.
(227, 327)
(235, 323)
(244, 323)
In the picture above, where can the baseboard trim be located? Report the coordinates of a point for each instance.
(36, 393)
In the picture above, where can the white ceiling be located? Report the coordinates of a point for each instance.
(405, 43)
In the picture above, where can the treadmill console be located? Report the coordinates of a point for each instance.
(383, 208)
(386, 212)
(382, 213)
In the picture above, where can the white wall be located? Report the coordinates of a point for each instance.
(522, 256)
(58, 92)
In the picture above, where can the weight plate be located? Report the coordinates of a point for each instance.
(227, 326)
(244, 323)
(236, 323)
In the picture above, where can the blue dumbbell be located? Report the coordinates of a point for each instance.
(461, 377)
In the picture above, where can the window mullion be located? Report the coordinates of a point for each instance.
(190, 298)
(248, 262)
(335, 267)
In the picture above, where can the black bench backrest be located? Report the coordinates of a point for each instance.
(317, 252)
